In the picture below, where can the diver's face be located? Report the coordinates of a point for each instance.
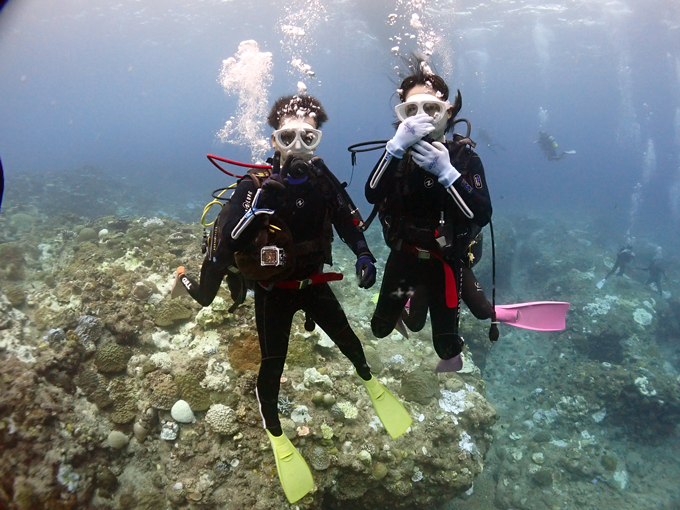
(417, 97)
(296, 136)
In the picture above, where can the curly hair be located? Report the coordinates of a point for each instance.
(296, 106)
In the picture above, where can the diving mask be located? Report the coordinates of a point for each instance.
(422, 103)
(298, 139)
(429, 105)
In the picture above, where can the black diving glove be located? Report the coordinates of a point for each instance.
(295, 167)
(366, 271)
(274, 193)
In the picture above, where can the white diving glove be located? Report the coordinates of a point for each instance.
(434, 158)
(409, 132)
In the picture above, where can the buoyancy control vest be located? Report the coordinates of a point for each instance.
(457, 240)
(273, 255)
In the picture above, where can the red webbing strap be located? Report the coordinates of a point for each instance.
(449, 279)
(312, 280)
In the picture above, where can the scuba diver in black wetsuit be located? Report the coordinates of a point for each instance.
(656, 272)
(624, 257)
(433, 204)
(549, 147)
(280, 233)
(217, 264)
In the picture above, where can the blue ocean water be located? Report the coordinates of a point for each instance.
(132, 88)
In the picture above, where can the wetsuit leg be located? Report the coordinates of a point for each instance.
(473, 295)
(398, 283)
(445, 338)
(274, 312)
(238, 287)
(211, 279)
(416, 316)
(322, 306)
(612, 270)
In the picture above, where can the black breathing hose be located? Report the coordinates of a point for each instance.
(493, 330)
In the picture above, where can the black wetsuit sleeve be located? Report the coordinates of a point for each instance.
(343, 221)
(355, 240)
(376, 191)
(212, 273)
(473, 190)
(239, 205)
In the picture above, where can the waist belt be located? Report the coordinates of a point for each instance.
(449, 279)
(312, 280)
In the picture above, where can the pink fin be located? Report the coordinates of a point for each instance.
(450, 365)
(537, 315)
(401, 327)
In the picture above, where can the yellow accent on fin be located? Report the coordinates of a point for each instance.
(375, 298)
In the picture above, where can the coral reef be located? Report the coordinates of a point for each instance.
(170, 311)
(420, 386)
(192, 392)
(112, 358)
(164, 391)
(95, 356)
(244, 352)
(222, 419)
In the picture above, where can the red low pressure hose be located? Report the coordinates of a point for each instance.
(212, 159)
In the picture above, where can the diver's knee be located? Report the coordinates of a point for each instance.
(482, 313)
(380, 327)
(448, 345)
(415, 325)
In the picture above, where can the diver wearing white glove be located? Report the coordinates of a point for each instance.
(409, 132)
(434, 158)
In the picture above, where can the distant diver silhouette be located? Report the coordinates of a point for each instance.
(485, 138)
(549, 147)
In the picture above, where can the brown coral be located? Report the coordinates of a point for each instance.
(112, 358)
(190, 390)
(170, 311)
(164, 391)
(244, 352)
(94, 386)
(124, 401)
(420, 386)
(15, 295)
(12, 261)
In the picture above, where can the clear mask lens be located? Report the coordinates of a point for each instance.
(287, 137)
(432, 107)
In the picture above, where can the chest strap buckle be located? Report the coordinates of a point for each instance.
(422, 254)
